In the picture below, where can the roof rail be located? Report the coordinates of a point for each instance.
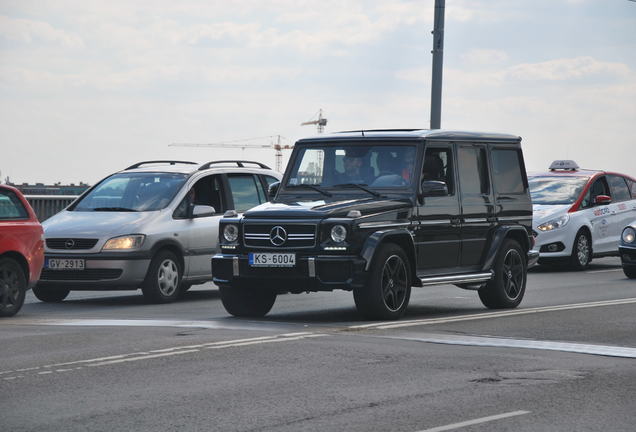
(171, 162)
(237, 162)
(381, 130)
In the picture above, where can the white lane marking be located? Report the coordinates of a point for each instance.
(136, 356)
(476, 421)
(502, 342)
(486, 315)
(603, 271)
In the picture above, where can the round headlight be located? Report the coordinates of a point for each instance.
(629, 235)
(230, 233)
(338, 233)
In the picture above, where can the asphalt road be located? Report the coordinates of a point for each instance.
(563, 361)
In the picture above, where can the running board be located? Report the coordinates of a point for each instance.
(457, 279)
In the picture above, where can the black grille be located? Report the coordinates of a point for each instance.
(298, 235)
(81, 275)
(70, 243)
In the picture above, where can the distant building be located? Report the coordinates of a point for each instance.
(54, 189)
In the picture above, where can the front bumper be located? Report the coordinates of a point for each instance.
(628, 255)
(103, 271)
(533, 258)
(311, 273)
(562, 239)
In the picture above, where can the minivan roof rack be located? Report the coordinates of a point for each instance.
(239, 163)
(171, 162)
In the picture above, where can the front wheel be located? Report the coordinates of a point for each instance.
(242, 301)
(12, 287)
(581, 251)
(387, 293)
(162, 280)
(630, 272)
(50, 294)
(508, 285)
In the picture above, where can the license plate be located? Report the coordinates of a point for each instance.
(272, 259)
(64, 264)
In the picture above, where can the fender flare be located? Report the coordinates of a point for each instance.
(498, 236)
(403, 238)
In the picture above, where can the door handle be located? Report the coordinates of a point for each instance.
(455, 221)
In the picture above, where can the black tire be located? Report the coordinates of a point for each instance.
(242, 301)
(163, 278)
(388, 290)
(508, 285)
(50, 294)
(630, 272)
(13, 285)
(581, 251)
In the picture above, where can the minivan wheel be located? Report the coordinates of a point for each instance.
(387, 293)
(242, 301)
(581, 251)
(508, 285)
(162, 280)
(12, 287)
(50, 294)
(630, 272)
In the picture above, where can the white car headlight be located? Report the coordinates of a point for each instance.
(559, 222)
(230, 233)
(338, 233)
(127, 242)
(629, 235)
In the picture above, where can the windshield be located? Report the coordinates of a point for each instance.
(556, 190)
(132, 192)
(375, 166)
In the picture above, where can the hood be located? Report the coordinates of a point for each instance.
(334, 207)
(86, 224)
(544, 212)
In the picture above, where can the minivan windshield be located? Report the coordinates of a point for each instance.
(352, 167)
(132, 192)
(556, 190)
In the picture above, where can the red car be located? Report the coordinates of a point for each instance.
(21, 249)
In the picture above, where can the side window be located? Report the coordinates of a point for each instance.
(206, 191)
(599, 187)
(632, 187)
(269, 179)
(620, 191)
(473, 171)
(11, 207)
(245, 191)
(506, 171)
(438, 166)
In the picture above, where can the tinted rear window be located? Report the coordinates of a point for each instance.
(506, 170)
(11, 207)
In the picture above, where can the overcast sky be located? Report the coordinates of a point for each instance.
(89, 87)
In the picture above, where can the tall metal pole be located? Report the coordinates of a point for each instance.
(438, 59)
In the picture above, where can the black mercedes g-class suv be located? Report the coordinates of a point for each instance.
(377, 212)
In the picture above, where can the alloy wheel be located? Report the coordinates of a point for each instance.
(583, 249)
(9, 287)
(513, 275)
(394, 283)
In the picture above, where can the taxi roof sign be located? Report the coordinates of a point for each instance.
(568, 165)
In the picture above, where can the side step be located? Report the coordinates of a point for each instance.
(457, 279)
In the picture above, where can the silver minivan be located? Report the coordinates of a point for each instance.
(152, 226)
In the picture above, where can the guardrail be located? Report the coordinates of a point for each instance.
(46, 206)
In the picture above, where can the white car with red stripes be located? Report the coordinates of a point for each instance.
(578, 214)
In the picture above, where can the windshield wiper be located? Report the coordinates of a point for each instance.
(359, 186)
(309, 186)
(123, 209)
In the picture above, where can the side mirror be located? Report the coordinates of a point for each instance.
(202, 211)
(602, 200)
(432, 188)
(272, 190)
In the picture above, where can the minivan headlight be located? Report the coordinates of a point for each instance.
(127, 242)
(338, 233)
(230, 233)
(554, 223)
(629, 235)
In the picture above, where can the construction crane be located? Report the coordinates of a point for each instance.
(321, 122)
(246, 143)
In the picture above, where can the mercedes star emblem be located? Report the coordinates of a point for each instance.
(69, 243)
(278, 236)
